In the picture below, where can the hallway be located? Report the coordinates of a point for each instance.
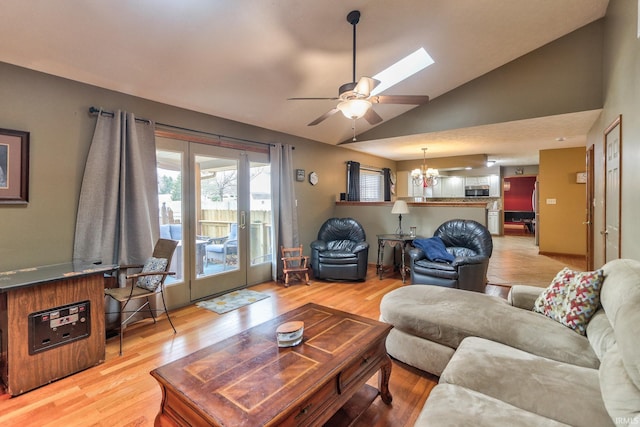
(515, 260)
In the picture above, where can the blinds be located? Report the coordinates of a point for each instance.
(371, 185)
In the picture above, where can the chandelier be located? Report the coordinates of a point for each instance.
(425, 177)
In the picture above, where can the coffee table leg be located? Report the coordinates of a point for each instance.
(383, 381)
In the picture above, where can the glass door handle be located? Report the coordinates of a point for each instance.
(243, 220)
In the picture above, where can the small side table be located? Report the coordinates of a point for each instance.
(392, 240)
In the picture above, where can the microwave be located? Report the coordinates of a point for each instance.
(476, 191)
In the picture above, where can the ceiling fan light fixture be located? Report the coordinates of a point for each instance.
(354, 108)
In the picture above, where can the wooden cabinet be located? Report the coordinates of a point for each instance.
(493, 222)
(476, 180)
(494, 186)
(58, 295)
(445, 186)
(452, 186)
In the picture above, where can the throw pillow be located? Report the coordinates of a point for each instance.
(152, 265)
(434, 249)
(572, 298)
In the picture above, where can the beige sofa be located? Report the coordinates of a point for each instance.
(501, 364)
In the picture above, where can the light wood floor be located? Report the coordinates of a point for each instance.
(120, 392)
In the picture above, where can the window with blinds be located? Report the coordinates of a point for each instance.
(371, 185)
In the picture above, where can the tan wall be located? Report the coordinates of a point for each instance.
(317, 203)
(560, 77)
(379, 220)
(561, 225)
(55, 112)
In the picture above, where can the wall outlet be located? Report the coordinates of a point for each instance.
(551, 201)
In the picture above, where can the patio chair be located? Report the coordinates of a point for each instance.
(222, 249)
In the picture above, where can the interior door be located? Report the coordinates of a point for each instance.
(613, 152)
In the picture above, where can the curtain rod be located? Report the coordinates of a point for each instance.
(375, 168)
(94, 110)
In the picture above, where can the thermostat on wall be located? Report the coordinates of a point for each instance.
(581, 178)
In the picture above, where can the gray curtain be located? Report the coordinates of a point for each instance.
(353, 181)
(117, 220)
(387, 184)
(285, 213)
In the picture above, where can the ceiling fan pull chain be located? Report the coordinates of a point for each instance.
(353, 126)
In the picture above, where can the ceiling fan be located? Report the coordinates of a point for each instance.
(355, 97)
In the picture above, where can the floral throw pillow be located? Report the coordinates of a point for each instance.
(152, 265)
(572, 298)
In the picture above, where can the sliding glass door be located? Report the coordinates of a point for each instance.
(217, 202)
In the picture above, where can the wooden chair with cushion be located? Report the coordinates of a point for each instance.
(295, 264)
(144, 284)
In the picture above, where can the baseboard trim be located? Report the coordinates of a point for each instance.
(559, 254)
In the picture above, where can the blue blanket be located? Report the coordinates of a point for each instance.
(434, 249)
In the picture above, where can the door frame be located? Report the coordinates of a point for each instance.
(180, 294)
(590, 207)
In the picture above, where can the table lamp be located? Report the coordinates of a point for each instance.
(400, 207)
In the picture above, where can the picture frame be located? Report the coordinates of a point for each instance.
(300, 174)
(14, 167)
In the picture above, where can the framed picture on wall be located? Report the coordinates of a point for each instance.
(14, 167)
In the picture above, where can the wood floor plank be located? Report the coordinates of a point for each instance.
(120, 392)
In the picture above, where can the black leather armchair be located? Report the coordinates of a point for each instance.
(470, 243)
(341, 251)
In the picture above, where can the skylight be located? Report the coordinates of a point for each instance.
(402, 69)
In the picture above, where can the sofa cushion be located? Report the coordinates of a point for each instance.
(621, 397)
(423, 354)
(524, 296)
(436, 269)
(621, 302)
(572, 298)
(165, 231)
(557, 390)
(600, 333)
(447, 316)
(449, 405)
(625, 275)
(336, 258)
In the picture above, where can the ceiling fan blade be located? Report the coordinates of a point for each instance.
(399, 99)
(323, 117)
(372, 117)
(365, 85)
(312, 99)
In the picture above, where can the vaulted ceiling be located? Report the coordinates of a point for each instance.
(242, 59)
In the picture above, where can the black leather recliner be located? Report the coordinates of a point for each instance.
(341, 251)
(470, 243)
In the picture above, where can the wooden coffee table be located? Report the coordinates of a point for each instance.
(246, 380)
